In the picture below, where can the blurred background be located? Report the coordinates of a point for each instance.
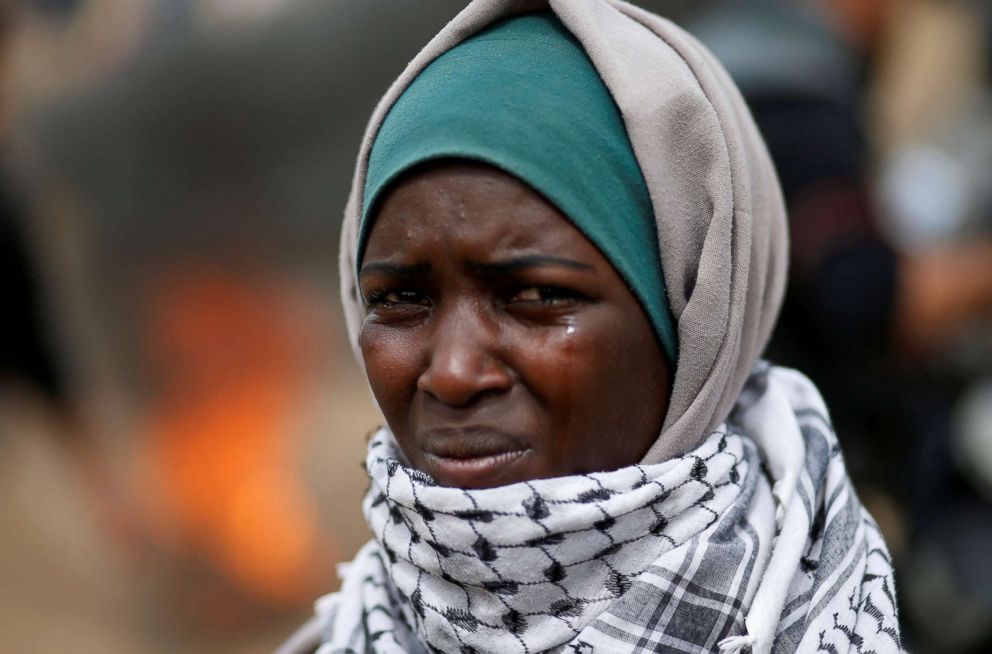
(181, 420)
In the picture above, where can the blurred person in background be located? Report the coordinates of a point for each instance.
(867, 318)
(193, 518)
(203, 483)
(49, 473)
(28, 360)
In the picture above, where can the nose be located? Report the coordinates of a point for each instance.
(464, 362)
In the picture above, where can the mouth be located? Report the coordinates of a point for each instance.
(471, 457)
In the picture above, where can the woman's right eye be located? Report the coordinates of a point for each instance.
(398, 298)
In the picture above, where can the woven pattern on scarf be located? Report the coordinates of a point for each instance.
(726, 548)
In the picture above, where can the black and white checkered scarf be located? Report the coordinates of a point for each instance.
(754, 541)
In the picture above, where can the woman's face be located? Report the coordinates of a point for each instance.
(499, 342)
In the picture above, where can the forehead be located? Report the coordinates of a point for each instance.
(473, 208)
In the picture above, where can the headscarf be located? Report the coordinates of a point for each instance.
(719, 212)
(523, 96)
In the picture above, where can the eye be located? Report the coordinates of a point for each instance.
(395, 298)
(546, 296)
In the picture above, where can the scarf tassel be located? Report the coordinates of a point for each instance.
(736, 644)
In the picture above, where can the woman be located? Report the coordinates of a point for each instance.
(563, 253)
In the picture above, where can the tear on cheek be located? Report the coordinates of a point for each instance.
(566, 341)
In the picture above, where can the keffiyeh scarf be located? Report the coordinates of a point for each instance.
(752, 542)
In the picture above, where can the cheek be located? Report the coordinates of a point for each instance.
(391, 357)
(593, 385)
(570, 373)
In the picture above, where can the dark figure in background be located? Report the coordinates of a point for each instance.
(26, 355)
(844, 277)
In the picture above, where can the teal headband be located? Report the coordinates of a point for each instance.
(524, 97)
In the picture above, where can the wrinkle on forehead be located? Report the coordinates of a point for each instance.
(468, 206)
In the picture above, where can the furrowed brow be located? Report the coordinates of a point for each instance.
(400, 270)
(518, 264)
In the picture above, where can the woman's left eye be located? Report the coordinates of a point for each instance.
(545, 295)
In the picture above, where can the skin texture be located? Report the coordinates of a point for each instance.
(500, 344)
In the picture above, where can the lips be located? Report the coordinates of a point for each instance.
(471, 457)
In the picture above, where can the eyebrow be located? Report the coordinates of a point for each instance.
(518, 264)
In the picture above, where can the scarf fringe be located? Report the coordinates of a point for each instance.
(736, 644)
